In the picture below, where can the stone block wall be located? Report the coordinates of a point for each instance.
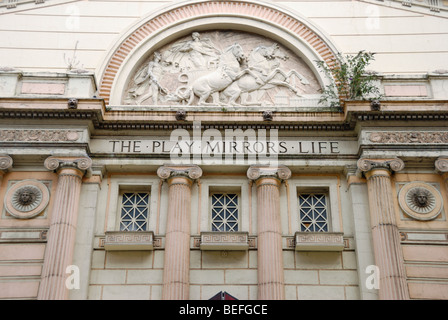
(126, 275)
(308, 275)
(321, 275)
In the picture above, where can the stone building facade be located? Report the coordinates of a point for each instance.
(177, 150)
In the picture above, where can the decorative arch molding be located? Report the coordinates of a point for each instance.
(164, 26)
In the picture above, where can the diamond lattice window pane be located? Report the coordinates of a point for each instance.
(313, 213)
(134, 211)
(225, 212)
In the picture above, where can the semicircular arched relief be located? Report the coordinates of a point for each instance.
(222, 68)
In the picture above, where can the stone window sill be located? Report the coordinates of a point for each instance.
(129, 240)
(319, 241)
(224, 241)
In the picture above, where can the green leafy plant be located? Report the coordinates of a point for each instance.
(349, 79)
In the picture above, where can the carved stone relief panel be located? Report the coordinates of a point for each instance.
(222, 68)
(420, 201)
(26, 199)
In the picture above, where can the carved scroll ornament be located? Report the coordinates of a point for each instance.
(18, 135)
(409, 137)
(192, 172)
(280, 172)
(442, 164)
(5, 162)
(389, 164)
(81, 163)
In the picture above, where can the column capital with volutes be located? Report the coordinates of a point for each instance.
(5, 163)
(278, 172)
(368, 166)
(441, 165)
(192, 172)
(57, 163)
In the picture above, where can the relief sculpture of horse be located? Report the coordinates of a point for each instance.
(263, 73)
(211, 84)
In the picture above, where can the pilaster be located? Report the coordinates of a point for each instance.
(61, 235)
(386, 239)
(271, 284)
(176, 272)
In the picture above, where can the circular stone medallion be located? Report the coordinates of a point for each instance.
(420, 201)
(26, 199)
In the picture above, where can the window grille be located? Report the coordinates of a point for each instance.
(225, 210)
(313, 212)
(134, 211)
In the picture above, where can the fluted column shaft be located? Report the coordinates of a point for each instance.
(176, 273)
(270, 254)
(385, 234)
(62, 231)
(61, 235)
(176, 270)
(271, 283)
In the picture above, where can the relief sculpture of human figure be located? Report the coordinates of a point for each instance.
(421, 198)
(263, 73)
(195, 54)
(147, 82)
(198, 70)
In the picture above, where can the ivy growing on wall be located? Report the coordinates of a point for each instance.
(349, 79)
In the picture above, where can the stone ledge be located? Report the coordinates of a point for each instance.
(224, 241)
(23, 235)
(129, 240)
(319, 241)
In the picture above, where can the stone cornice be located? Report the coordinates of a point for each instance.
(441, 7)
(12, 4)
(94, 110)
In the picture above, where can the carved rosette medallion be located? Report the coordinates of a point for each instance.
(27, 199)
(420, 201)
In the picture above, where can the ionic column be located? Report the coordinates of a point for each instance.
(442, 166)
(176, 271)
(5, 164)
(271, 284)
(61, 235)
(386, 238)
